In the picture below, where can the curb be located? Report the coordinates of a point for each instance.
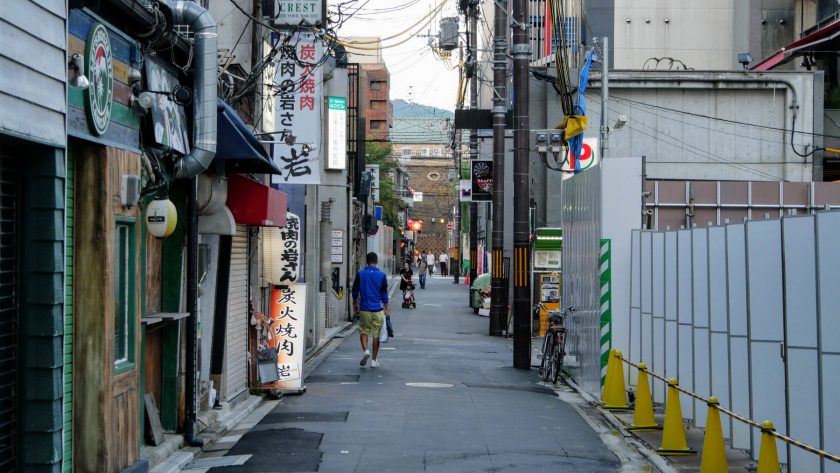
(614, 423)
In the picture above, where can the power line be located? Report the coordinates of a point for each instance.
(734, 122)
(697, 151)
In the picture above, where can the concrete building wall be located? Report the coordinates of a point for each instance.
(710, 125)
(234, 31)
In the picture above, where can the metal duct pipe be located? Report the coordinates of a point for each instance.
(204, 85)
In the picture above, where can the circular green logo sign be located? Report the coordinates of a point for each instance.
(99, 68)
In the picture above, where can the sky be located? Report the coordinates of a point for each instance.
(416, 74)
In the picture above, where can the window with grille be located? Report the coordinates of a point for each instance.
(424, 152)
(124, 303)
(438, 152)
(406, 152)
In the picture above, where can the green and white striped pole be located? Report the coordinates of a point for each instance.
(606, 306)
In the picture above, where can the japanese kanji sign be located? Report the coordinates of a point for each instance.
(291, 248)
(286, 326)
(298, 97)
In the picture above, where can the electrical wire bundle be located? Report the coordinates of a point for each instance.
(564, 83)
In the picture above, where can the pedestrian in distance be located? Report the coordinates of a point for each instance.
(370, 301)
(443, 259)
(421, 258)
(405, 277)
(430, 260)
(422, 269)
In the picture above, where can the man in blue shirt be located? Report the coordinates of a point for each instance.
(370, 301)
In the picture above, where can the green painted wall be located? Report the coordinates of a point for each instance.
(68, 316)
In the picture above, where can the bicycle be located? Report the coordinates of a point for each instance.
(554, 345)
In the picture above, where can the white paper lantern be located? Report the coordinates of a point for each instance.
(281, 252)
(161, 218)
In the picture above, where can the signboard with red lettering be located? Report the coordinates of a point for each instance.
(286, 326)
(297, 111)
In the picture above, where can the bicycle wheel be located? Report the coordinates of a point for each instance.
(548, 355)
(546, 361)
(544, 355)
(559, 352)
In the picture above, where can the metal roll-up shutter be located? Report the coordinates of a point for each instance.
(236, 339)
(8, 312)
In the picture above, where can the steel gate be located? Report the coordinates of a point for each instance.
(236, 340)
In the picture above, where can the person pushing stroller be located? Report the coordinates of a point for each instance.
(407, 286)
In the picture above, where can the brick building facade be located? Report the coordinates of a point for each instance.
(422, 147)
(378, 115)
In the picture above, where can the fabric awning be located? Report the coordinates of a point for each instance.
(238, 147)
(254, 203)
(820, 40)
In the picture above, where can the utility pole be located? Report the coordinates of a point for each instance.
(605, 96)
(472, 67)
(521, 190)
(499, 285)
(456, 152)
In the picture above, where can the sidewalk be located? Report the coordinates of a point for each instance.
(215, 426)
(445, 399)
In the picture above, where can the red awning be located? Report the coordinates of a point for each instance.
(254, 203)
(812, 42)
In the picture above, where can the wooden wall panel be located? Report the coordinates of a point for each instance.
(153, 380)
(106, 435)
(154, 276)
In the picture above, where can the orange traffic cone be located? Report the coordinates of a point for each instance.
(714, 450)
(616, 396)
(643, 413)
(768, 456)
(673, 436)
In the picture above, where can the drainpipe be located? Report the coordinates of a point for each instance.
(192, 320)
(204, 85)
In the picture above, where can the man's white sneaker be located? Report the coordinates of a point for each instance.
(374, 364)
(365, 358)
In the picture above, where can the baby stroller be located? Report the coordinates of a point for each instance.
(408, 296)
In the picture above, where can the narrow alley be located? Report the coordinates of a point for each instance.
(445, 399)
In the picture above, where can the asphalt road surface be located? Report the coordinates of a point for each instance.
(445, 399)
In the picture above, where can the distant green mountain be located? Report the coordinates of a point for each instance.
(403, 109)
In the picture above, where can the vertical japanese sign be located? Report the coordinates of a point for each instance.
(297, 108)
(373, 169)
(291, 249)
(482, 179)
(337, 247)
(269, 73)
(337, 132)
(287, 319)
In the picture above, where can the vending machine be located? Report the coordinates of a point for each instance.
(547, 276)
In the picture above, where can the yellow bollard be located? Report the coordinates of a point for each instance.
(768, 456)
(714, 450)
(616, 396)
(673, 436)
(643, 413)
(609, 378)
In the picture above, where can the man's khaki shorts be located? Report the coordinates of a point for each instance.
(370, 323)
